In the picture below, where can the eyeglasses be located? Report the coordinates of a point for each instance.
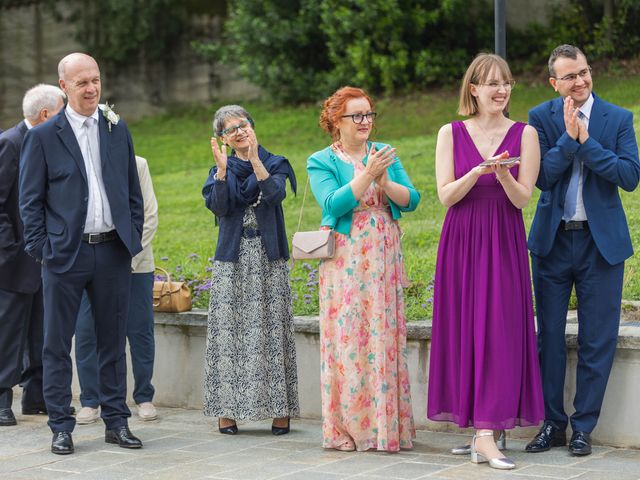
(572, 77)
(359, 117)
(233, 131)
(496, 85)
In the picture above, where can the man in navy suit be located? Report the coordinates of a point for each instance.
(579, 237)
(81, 206)
(20, 283)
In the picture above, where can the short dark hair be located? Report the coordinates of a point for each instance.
(227, 112)
(565, 51)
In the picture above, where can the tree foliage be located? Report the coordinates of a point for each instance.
(276, 44)
(582, 23)
(128, 31)
(302, 49)
(617, 35)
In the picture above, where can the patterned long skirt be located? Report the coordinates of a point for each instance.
(250, 369)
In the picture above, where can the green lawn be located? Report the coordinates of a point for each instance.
(177, 148)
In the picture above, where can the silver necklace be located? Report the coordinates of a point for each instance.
(491, 139)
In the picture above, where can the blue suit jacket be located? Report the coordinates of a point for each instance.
(610, 157)
(18, 271)
(54, 190)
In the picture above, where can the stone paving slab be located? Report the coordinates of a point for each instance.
(183, 444)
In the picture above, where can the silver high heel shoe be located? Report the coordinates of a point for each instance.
(501, 443)
(503, 463)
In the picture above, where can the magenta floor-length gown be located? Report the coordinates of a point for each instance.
(483, 369)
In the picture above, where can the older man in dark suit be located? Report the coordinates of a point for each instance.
(82, 211)
(20, 282)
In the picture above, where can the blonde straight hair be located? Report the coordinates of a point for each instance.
(477, 73)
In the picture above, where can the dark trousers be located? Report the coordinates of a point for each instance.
(21, 347)
(575, 260)
(141, 343)
(104, 271)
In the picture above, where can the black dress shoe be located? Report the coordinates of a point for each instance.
(548, 436)
(34, 410)
(281, 430)
(123, 437)
(230, 430)
(580, 444)
(62, 443)
(42, 410)
(7, 418)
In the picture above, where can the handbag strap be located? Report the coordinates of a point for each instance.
(304, 198)
(166, 274)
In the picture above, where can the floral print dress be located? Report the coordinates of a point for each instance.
(366, 398)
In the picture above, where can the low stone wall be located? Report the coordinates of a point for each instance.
(179, 371)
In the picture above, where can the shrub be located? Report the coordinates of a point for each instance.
(124, 32)
(276, 44)
(584, 24)
(302, 50)
(618, 36)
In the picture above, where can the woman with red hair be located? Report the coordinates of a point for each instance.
(362, 189)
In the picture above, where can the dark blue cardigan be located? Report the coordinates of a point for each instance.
(268, 213)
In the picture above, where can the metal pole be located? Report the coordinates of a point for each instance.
(500, 28)
(500, 32)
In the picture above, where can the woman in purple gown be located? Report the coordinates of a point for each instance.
(483, 370)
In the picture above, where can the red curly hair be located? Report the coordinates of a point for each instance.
(335, 106)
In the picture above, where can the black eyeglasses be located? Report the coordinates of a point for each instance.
(359, 117)
(232, 131)
(572, 77)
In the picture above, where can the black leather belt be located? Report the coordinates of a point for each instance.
(577, 225)
(99, 237)
(250, 232)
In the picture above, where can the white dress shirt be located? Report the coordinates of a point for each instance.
(581, 214)
(99, 217)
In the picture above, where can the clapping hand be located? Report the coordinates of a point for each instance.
(379, 161)
(382, 179)
(252, 154)
(220, 157)
(571, 120)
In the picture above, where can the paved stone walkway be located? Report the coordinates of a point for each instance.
(182, 444)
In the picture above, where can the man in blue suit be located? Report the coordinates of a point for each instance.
(81, 206)
(21, 309)
(579, 237)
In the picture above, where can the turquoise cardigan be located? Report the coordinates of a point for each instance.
(329, 178)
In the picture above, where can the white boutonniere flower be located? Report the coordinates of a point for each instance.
(107, 110)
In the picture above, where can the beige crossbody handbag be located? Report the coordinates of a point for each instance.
(316, 244)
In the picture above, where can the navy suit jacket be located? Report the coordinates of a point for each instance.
(610, 158)
(18, 271)
(54, 191)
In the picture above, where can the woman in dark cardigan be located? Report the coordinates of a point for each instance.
(250, 370)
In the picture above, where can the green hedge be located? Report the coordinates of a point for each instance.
(302, 50)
